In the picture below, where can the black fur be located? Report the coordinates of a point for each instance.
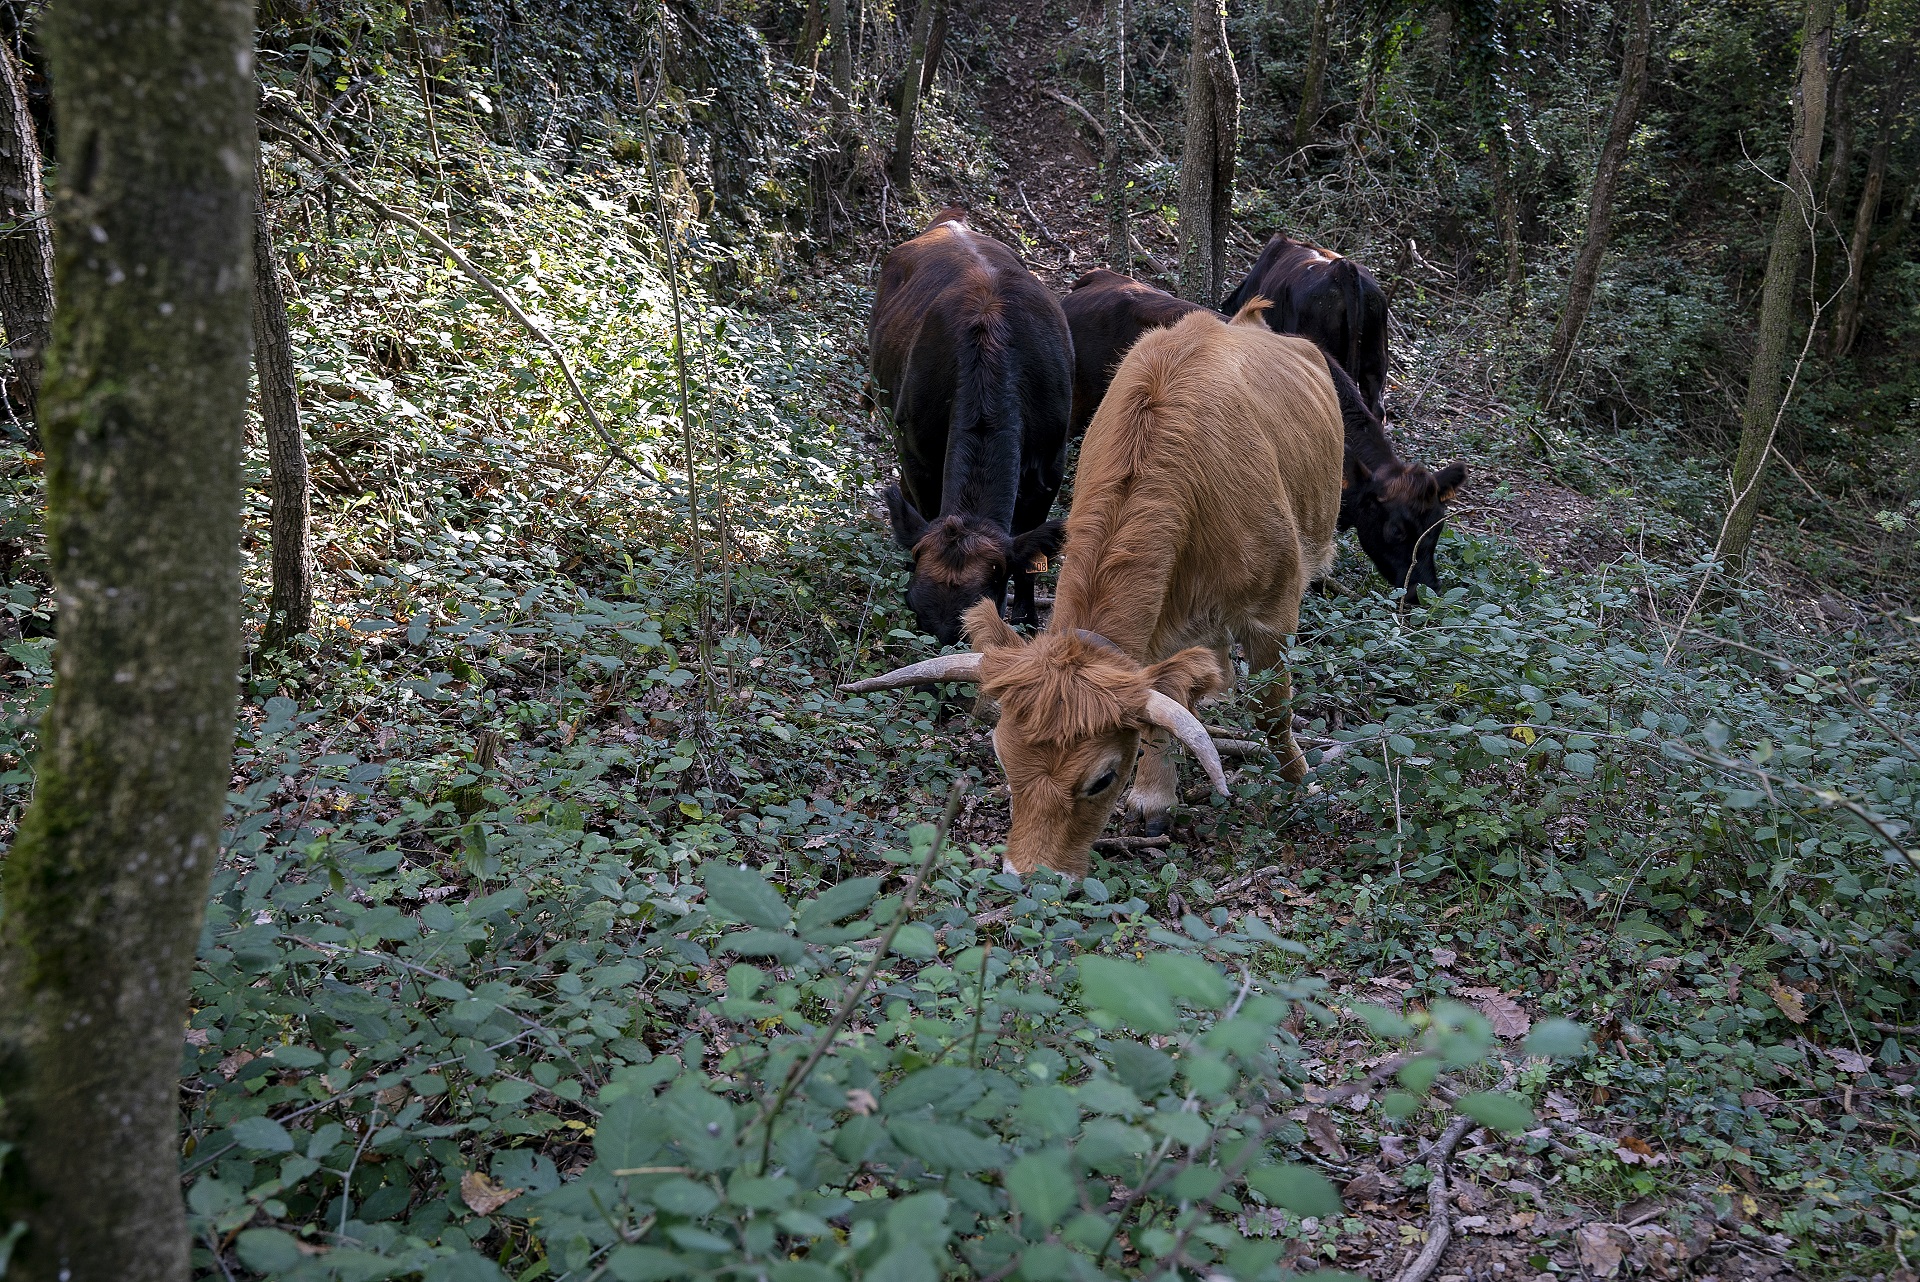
(1332, 300)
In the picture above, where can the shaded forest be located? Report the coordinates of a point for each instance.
(557, 914)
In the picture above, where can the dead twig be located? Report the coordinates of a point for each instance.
(1439, 1221)
(1133, 843)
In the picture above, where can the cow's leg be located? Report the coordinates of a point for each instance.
(1150, 800)
(1275, 711)
(1024, 610)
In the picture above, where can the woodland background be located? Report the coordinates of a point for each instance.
(561, 721)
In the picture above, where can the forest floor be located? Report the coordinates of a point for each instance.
(463, 897)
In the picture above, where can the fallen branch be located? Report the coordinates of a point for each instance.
(1082, 112)
(1439, 1221)
(1045, 235)
(1133, 843)
(441, 243)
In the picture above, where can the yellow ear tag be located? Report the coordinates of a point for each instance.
(1038, 565)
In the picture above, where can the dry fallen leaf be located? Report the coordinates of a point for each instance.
(483, 1195)
(1634, 1151)
(1602, 1247)
(1508, 1020)
(1849, 1061)
(1325, 1136)
(1790, 1002)
(198, 1037)
(861, 1101)
(234, 1063)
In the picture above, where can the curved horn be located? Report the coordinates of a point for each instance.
(1168, 712)
(948, 667)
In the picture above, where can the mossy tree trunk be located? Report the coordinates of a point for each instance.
(1888, 125)
(1114, 161)
(26, 247)
(290, 606)
(1606, 173)
(901, 172)
(1313, 82)
(1206, 160)
(1760, 417)
(840, 46)
(142, 408)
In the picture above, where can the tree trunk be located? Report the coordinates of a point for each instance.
(936, 49)
(811, 32)
(143, 410)
(26, 247)
(1846, 318)
(1314, 83)
(1114, 162)
(1840, 112)
(1613, 154)
(1760, 418)
(901, 172)
(290, 606)
(1206, 162)
(840, 41)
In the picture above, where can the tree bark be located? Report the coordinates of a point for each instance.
(1206, 162)
(290, 605)
(1114, 162)
(1313, 83)
(1627, 101)
(1840, 111)
(1846, 317)
(26, 246)
(901, 172)
(840, 42)
(936, 49)
(143, 410)
(1764, 407)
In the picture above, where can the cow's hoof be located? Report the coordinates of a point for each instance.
(1295, 771)
(1157, 825)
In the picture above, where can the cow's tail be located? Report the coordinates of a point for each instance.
(1348, 278)
(1251, 311)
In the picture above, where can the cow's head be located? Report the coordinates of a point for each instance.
(1398, 510)
(958, 560)
(1072, 710)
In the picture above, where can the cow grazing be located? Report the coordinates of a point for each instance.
(972, 355)
(1329, 298)
(1207, 495)
(1396, 509)
(1107, 312)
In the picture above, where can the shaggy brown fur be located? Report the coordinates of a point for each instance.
(1208, 489)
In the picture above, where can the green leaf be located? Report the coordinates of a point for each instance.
(1417, 1075)
(296, 1056)
(916, 941)
(946, 1147)
(1146, 1071)
(1380, 1021)
(1048, 1112)
(837, 904)
(268, 1250)
(1500, 1111)
(1581, 764)
(629, 1133)
(1299, 1189)
(646, 1264)
(1558, 1039)
(1042, 1186)
(905, 1262)
(1187, 976)
(1208, 1076)
(682, 1196)
(262, 1135)
(778, 945)
(744, 895)
(1133, 995)
(761, 1193)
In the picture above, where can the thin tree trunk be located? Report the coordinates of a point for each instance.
(1313, 84)
(290, 606)
(840, 40)
(26, 246)
(1114, 162)
(936, 49)
(1613, 154)
(143, 410)
(1840, 112)
(901, 172)
(811, 32)
(1206, 161)
(1846, 319)
(1764, 407)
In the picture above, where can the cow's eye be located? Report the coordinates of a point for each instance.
(1100, 785)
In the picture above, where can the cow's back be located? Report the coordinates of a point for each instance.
(1209, 479)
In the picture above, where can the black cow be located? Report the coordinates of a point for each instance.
(1329, 298)
(1107, 312)
(972, 355)
(1396, 509)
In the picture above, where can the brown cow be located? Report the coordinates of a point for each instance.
(1329, 298)
(1107, 313)
(1208, 489)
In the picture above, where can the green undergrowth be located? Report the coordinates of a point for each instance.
(553, 855)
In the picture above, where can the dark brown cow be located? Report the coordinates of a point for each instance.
(1207, 495)
(1107, 313)
(1329, 298)
(972, 355)
(1396, 509)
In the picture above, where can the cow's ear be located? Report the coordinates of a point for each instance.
(1187, 676)
(1451, 478)
(986, 630)
(1031, 550)
(1357, 475)
(908, 524)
